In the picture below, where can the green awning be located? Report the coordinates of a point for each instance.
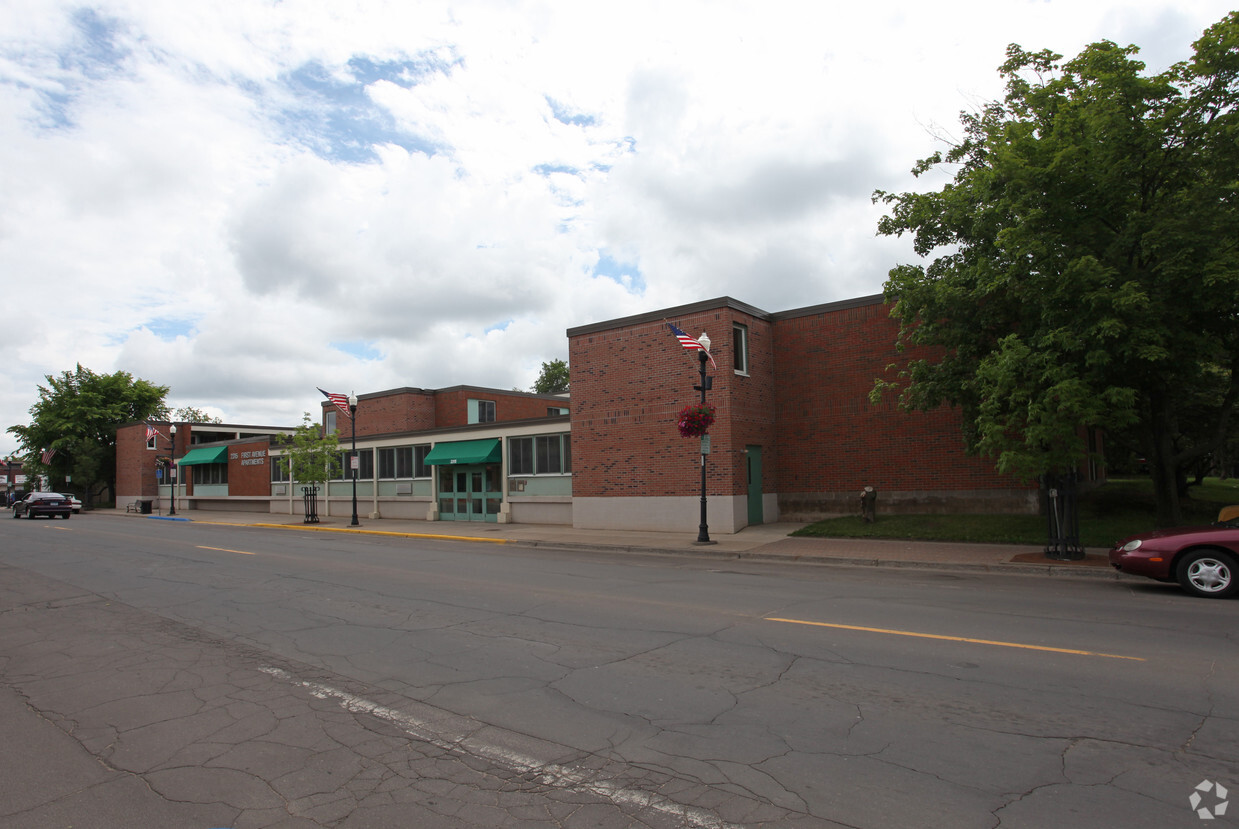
(219, 454)
(465, 452)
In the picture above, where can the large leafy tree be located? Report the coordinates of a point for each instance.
(76, 416)
(1083, 267)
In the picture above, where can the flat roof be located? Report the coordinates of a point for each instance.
(724, 302)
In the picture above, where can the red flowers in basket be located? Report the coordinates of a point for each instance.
(694, 421)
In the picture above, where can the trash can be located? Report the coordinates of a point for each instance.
(144, 507)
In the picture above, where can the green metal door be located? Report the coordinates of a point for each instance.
(752, 459)
(469, 493)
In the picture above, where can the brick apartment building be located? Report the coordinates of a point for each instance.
(795, 438)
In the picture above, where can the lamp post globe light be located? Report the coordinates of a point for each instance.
(352, 461)
(703, 529)
(172, 467)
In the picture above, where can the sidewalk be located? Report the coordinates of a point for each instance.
(768, 542)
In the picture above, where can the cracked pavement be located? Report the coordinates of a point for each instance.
(129, 719)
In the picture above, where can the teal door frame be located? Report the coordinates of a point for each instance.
(752, 463)
(469, 493)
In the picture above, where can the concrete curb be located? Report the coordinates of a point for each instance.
(756, 554)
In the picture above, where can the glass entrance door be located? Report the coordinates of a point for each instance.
(470, 493)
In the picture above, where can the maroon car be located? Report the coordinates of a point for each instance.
(1203, 560)
(51, 504)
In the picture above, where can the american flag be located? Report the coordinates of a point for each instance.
(152, 433)
(689, 343)
(48, 454)
(340, 401)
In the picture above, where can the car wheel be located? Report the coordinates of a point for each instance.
(15, 514)
(67, 516)
(1209, 574)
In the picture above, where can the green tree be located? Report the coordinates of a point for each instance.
(189, 414)
(77, 415)
(553, 379)
(315, 455)
(1083, 266)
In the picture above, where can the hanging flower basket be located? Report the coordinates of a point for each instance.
(694, 421)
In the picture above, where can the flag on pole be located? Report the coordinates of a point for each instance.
(152, 433)
(340, 401)
(48, 454)
(689, 343)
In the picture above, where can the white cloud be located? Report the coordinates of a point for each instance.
(243, 201)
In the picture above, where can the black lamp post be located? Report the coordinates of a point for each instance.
(172, 466)
(703, 530)
(352, 413)
(9, 480)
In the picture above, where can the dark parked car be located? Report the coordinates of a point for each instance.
(51, 504)
(1203, 560)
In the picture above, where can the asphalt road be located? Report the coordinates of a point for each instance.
(212, 676)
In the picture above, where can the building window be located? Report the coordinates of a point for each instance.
(329, 422)
(552, 411)
(481, 411)
(365, 469)
(279, 469)
(740, 348)
(542, 455)
(391, 461)
(210, 473)
(403, 462)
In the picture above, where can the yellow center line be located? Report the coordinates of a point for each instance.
(226, 550)
(954, 639)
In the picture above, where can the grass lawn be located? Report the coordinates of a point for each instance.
(1119, 508)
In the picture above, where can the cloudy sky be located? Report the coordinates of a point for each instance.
(246, 200)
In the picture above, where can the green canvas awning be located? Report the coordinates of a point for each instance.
(465, 452)
(219, 454)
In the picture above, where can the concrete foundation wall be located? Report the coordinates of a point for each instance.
(724, 513)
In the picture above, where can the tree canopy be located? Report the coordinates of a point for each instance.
(553, 379)
(76, 416)
(1083, 268)
(190, 414)
(314, 453)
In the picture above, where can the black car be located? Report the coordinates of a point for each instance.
(51, 504)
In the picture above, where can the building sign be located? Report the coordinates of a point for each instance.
(258, 457)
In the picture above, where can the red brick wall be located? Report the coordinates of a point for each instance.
(832, 438)
(805, 401)
(402, 411)
(754, 403)
(628, 385)
(452, 405)
(411, 411)
(249, 470)
(135, 464)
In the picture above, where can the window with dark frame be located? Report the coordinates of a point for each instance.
(365, 469)
(540, 455)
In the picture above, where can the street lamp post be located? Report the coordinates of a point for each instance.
(352, 413)
(172, 467)
(703, 530)
(8, 495)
